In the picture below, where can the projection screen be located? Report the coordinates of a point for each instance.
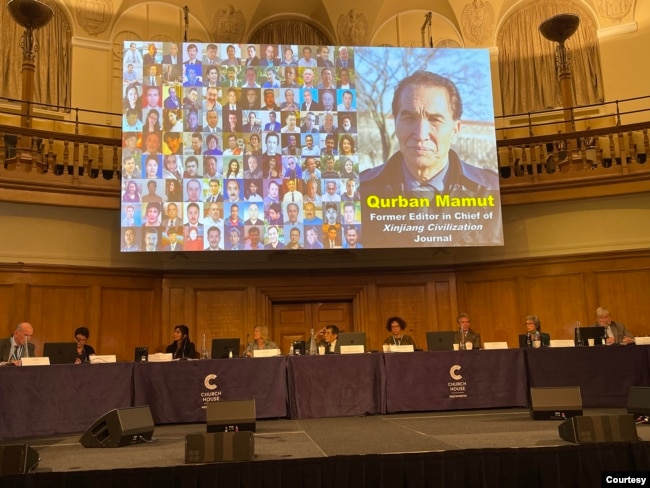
(266, 147)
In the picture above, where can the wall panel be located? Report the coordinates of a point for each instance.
(129, 318)
(492, 308)
(625, 294)
(9, 319)
(56, 310)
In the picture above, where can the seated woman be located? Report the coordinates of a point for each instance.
(182, 348)
(396, 326)
(260, 341)
(84, 351)
(534, 325)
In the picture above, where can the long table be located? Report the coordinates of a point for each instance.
(454, 380)
(179, 391)
(603, 373)
(336, 385)
(63, 399)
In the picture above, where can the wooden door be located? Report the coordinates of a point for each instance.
(293, 321)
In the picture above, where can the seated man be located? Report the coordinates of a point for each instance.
(465, 334)
(18, 346)
(327, 337)
(616, 333)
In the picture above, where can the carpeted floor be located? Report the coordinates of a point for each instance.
(293, 439)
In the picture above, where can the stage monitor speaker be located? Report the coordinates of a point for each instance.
(219, 446)
(17, 459)
(601, 428)
(638, 400)
(555, 403)
(120, 427)
(231, 416)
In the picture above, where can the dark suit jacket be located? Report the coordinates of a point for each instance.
(314, 107)
(340, 65)
(5, 349)
(167, 59)
(273, 62)
(272, 128)
(255, 61)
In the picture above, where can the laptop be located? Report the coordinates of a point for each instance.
(351, 339)
(60, 352)
(596, 333)
(221, 348)
(441, 341)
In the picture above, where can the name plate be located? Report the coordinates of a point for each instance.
(355, 349)
(265, 353)
(562, 343)
(404, 348)
(642, 341)
(35, 361)
(161, 357)
(105, 358)
(495, 345)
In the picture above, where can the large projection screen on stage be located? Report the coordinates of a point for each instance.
(266, 147)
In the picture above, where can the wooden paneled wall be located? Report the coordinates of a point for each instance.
(120, 308)
(125, 308)
(560, 291)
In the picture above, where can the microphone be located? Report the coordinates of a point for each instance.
(248, 346)
(26, 351)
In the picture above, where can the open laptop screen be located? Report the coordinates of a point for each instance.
(221, 348)
(351, 339)
(60, 352)
(440, 341)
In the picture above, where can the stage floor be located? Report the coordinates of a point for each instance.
(284, 439)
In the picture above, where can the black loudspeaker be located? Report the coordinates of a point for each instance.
(17, 459)
(638, 400)
(231, 416)
(555, 403)
(219, 446)
(120, 427)
(601, 428)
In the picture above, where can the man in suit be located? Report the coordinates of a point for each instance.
(252, 101)
(153, 78)
(151, 54)
(252, 59)
(192, 52)
(212, 120)
(174, 244)
(309, 104)
(311, 239)
(344, 60)
(269, 58)
(211, 57)
(322, 59)
(465, 334)
(273, 125)
(18, 346)
(172, 57)
(328, 337)
(252, 126)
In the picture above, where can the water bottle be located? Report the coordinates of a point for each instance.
(312, 345)
(204, 349)
(537, 338)
(578, 336)
(529, 341)
(291, 349)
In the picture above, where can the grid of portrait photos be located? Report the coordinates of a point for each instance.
(239, 147)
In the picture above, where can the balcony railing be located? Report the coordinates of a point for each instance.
(74, 155)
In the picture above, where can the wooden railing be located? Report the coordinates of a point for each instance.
(73, 158)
